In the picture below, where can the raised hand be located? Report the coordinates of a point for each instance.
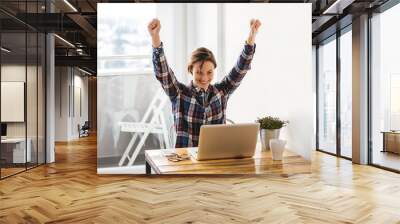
(254, 26)
(154, 28)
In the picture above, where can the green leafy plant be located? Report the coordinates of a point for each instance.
(271, 122)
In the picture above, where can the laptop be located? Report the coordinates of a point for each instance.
(225, 141)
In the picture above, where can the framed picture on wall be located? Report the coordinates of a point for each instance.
(12, 101)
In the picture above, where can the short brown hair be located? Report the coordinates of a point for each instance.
(201, 54)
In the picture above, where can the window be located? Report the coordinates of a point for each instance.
(126, 83)
(385, 88)
(335, 74)
(124, 42)
(346, 93)
(327, 96)
(394, 102)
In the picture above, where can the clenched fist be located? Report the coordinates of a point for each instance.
(254, 25)
(154, 31)
(154, 27)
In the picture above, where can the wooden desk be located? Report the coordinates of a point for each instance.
(18, 153)
(261, 163)
(391, 141)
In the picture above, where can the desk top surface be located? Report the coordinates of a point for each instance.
(13, 140)
(391, 132)
(261, 163)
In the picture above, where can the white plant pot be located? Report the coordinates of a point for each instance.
(277, 147)
(266, 135)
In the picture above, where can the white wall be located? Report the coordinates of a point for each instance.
(175, 46)
(17, 73)
(79, 117)
(280, 81)
(33, 126)
(61, 103)
(186, 27)
(12, 100)
(67, 83)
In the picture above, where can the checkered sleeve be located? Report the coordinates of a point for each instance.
(230, 82)
(164, 73)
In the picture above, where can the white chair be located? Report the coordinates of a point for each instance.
(153, 122)
(230, 121)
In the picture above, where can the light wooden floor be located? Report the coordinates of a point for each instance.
(386, 159)
(5, 172)
(70, 191)
(10, 171)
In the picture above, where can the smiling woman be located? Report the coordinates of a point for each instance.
(199, 102)
(201, 66)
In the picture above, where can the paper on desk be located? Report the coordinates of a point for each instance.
(172, 152)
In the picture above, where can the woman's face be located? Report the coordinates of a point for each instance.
(203, 74)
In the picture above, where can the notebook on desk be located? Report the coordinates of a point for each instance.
(225, 141)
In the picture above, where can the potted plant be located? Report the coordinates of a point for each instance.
(269, 129)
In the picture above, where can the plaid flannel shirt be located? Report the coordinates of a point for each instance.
(193, 106)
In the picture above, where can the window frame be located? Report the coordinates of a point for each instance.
(334, 37)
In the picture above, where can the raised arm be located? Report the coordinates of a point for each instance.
(163, 72)
(230, 82)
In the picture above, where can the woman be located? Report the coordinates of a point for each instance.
(199, 102)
